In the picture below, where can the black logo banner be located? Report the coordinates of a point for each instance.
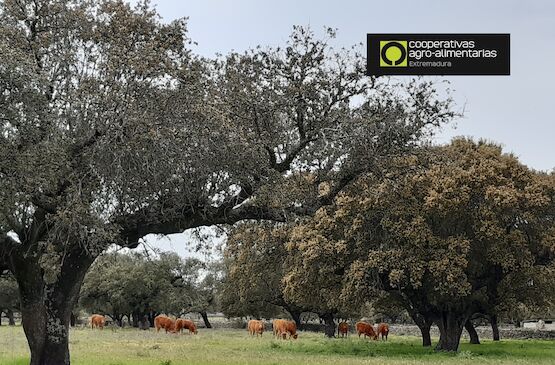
(438, 54)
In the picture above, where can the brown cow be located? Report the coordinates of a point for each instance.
(282, 327)
(164, 322)
(366, 329)
(98, 321)
(187, 324)
(383, 330)
(276, 324)
(291, 328)
(255, 327)
(342, 329)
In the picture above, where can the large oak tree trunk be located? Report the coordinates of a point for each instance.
(450, 330)
(329, 328)
(474, 339)
(494, 327)
(46, 306)
(204, 316)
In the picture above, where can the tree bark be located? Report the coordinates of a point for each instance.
(11, 319)
(494, 327)
(426, 337)
(72, 320)
(474, 339)
(450, 329)
(46, 306)
(425, 331)
(204, 316)
(424, 323)
(329, 328)
(151, 315)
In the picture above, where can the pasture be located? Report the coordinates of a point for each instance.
(233, 346)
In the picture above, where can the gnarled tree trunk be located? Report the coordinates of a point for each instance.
(450, 326)
(204, 316)
(474, 339)
(46, 306)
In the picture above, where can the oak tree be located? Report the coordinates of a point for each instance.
(446, 231)
(110, 129)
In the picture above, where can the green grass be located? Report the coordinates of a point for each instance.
(130, 347)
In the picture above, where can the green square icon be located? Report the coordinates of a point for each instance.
(393, 53)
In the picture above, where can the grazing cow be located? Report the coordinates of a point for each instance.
(342, 329)
(383, 330)
(164, 322)
(282, 327)
(98, 321)
(255, 327)
(366, 329)
(187, 324)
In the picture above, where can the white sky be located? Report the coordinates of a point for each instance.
(512, 110)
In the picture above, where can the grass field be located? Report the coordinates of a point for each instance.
(130, 347)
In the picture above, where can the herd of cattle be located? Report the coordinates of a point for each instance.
(282, 328)
(160, 322)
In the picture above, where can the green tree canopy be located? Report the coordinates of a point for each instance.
(255, 259)
(138, 285)
(447, 231)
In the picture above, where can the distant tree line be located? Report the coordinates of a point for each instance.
(138, 287)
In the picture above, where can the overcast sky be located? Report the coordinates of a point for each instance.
(514, 110)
